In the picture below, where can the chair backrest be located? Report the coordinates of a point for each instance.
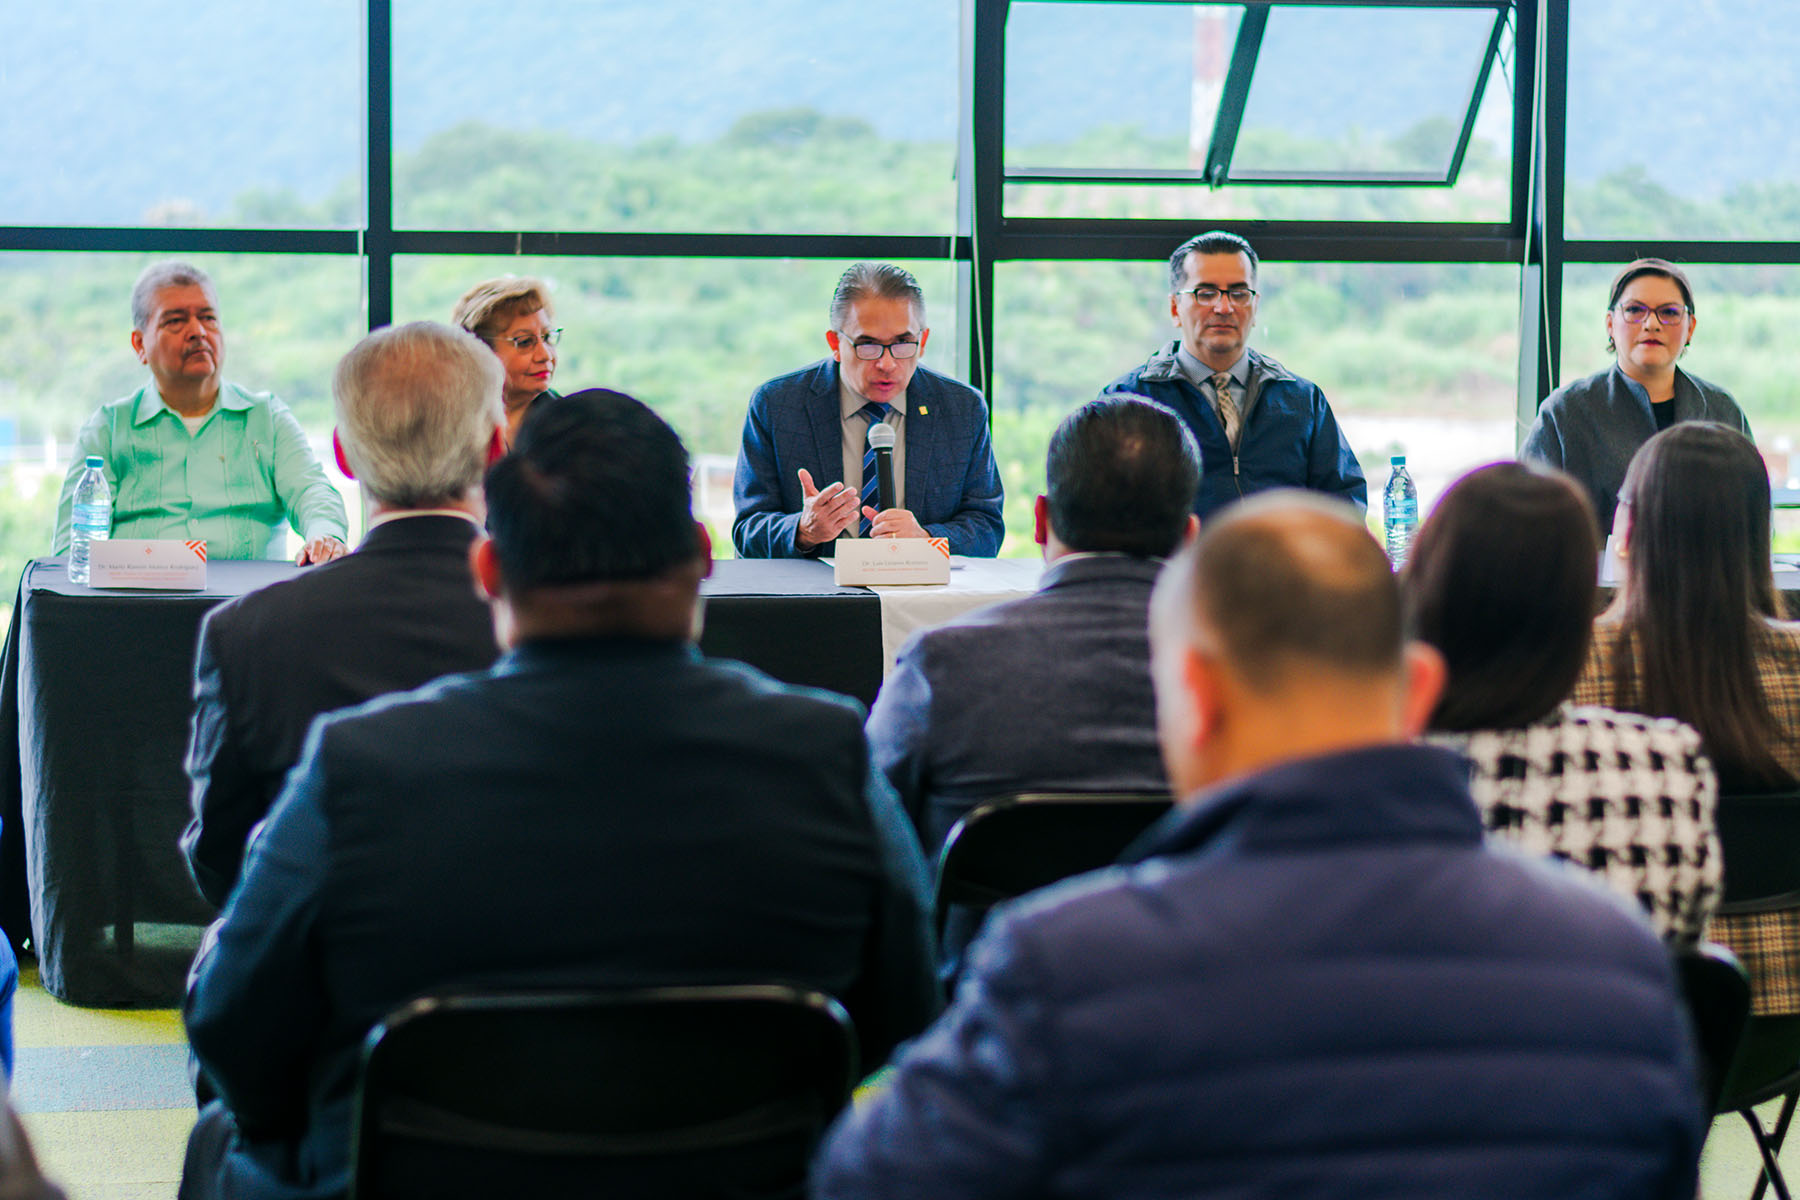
(706, 1091)
(1759, 839)
(1718, 1001)
(1017, 844)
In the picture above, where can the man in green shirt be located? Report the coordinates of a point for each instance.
(191, 456)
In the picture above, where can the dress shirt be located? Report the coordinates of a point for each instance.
(856, 443)
(237, 483)
(1201, 376)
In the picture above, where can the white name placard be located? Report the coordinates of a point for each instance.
(860, 562)
(166, 564)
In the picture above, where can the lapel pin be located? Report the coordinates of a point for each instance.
(923, 411)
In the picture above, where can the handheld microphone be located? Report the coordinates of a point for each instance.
(881, 441)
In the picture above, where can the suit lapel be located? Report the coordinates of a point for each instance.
(827, 426)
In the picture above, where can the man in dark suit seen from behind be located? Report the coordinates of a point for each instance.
(418, 420)
(1052, 691)
(603, 807)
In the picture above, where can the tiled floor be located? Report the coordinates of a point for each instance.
(104, 1095)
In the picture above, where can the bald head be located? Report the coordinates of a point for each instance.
(1277, 636)
(1282, 586)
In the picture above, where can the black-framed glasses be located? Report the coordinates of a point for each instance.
(1666, 314)
(1239, 296)
(525, 343)
(871, 351)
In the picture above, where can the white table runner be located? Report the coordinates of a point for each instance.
(974, 583)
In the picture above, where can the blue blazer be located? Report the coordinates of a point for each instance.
(952, 484)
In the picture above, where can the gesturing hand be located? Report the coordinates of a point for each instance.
(824, 514)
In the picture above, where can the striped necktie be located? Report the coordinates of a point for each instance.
(873, 412)
(1228, 409)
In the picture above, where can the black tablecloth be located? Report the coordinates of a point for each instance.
(95, 697)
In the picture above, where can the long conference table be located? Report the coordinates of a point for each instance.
(96, 693)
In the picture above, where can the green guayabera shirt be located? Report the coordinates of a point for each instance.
(237, 482)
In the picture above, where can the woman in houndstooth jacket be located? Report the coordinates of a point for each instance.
(1502, 582)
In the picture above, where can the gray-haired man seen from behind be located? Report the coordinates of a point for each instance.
(1316, 980)
(419, 418)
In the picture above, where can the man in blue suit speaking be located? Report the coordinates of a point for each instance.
(805, 476)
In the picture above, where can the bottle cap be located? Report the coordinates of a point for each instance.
(94, 460)
(1398, 460)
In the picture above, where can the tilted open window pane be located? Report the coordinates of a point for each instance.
(1112, 86)
(1363, 95)
(1342, 94)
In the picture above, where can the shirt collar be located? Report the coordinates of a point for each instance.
(151, 404)
(403, 513)
(1642, 392)
(1198, 372)
(849, 403)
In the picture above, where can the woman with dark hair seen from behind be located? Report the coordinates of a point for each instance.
(1695, 633)
(1591, 427)
(1501, 581)
(513, 315)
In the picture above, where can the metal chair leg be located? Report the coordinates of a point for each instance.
(1769, 1143)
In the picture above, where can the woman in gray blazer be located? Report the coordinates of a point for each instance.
(1591, 427)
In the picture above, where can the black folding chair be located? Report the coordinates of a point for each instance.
(659, 1092)
(1017, 844)
(1759, 839)
(1718, 999)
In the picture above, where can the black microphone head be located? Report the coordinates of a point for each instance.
(881, 436)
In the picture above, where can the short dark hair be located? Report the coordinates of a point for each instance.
(1213, 241)
(1289, 579)
(1121, 476)
(1502, 580)
(875, 279)
(595, 489)
(1647, 266)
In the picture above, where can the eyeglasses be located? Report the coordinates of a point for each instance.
(1666, 314)
(1239, 296)
(871, 351)
(525, 343)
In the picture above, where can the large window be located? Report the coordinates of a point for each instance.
(783, 117)
(1176, 99)
(1680, 122)
(692, 177)
(210, 114)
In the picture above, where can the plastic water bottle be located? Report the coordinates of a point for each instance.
(93, 517)
(1399, 511)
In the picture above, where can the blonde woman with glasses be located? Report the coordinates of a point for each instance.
(514, 316)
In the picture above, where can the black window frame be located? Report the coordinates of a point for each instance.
(1532, 235)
